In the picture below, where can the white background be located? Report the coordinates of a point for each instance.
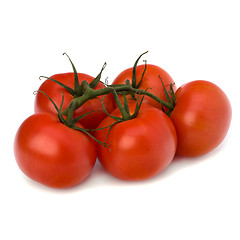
(196, 198)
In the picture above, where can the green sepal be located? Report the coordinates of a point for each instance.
(76, 81)
(61, 105)
(97, 79)
(134, 80)
(165, 91)
(110, 128)
(70, 90)
(172, 94)
(89, 134)
(106, 112)
(77, 119)
(55, 106)
(145, 68)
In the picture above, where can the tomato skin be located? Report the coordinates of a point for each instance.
(53, 90)
(202, 117)
(140, 148)
(151, 81)
(53, 154)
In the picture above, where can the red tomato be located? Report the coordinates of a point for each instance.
(53, 154)
(53, 90)
(150, 80)
(139, 148)
(202, 117)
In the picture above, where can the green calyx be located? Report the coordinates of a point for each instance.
(124, 108)
(134, 83)
(170, 96)
(69, 121)
(78, 89)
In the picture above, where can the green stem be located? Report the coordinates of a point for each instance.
(90, 93)
(71, 109)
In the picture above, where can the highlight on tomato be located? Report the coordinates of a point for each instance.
(140, 147)
(201, 116)
(52, 153)
(71, 86)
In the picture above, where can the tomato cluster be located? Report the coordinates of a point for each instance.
(134, 127)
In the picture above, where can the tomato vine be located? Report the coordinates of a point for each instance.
(85, 91)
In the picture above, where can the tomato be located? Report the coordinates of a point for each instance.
(139, 148)
(150, 81)
(53, 90)
(53, 154)
(202, 117)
